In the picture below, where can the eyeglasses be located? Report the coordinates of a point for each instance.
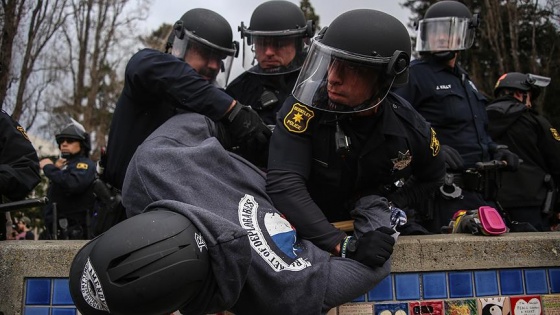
(67, 140)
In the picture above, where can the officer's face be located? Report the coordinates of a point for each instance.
(350, 84)
(204, 61)
(273, 52)
(69, 146)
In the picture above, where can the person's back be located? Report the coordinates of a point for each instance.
(529, 194)
(275, 44)
(19, 164)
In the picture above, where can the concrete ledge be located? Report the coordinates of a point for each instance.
(23, 259)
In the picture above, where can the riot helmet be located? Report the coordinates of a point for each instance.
(447, 26)
(522, 82)
(153, 263)
(365, 43)
(276, 40)
(204, 39)
(75, 131)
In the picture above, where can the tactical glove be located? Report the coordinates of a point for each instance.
(246, 127)
(503, 154)
(373, 249)
(453, 160)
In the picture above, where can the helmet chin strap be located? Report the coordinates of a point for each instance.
(443, 55)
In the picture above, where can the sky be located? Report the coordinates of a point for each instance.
(237, 11)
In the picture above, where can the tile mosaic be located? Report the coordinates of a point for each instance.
(390, 308)
(551, 304)
(61, 292)
(493, 306)
(63, 311)
(535, 281)
(361, 298)
(462, 307)
(35, 310)
(425, 307)
(434, 285)
(356, 309)
(526, 305)
(511, 281)
(486, 283)
(407, 286)
(383, 291)
(38, 291)
(554, 274)
(460, 284)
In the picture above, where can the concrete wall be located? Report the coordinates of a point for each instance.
(414, 255)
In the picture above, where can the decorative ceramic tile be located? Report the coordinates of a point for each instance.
(551, 304)
(356, 309)
(361, 298)
(511, 281)
(494, 306)
(390, 308)
(526, 305)
(425, 307)
(486, 283)
(61, 292)
(63, 311)
(36, 311)
(407, 286)
(38, 291)
(460, 284)
(535, 281)
(554, 275)
(383, 291)
(434, 285)
(460, 307)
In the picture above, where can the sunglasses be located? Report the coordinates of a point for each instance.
(67, 140)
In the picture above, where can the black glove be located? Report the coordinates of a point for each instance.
(248, 132)
(373, 249)
(453, 160)
(503, 154)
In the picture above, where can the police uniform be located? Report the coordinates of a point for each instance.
(157, 86)
(258, 261)
(264, 93)
(537, 143)
(71, 189)
(312, 182)
(19, 165)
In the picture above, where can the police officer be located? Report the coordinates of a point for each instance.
(19, 165)
(274, 48)
(70, 185)
(159, 85)
(343, 134)
(529, 194)
(441, 91)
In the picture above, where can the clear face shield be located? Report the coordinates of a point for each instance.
(445, 34)
(341, 82)
(271, 53)
(211, 61)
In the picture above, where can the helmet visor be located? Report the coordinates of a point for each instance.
(211, 61)
(338, 81)
(270, 53)
(445, 34)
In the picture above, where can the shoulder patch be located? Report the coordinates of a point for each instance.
(555, 134)
(20, 129)
(82, 166)
(434, 143)
(297, 120)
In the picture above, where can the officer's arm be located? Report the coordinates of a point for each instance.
(76, 178)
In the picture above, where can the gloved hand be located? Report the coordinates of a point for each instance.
(374, 248)
(453, 160)
(247, 130)
(503, 154)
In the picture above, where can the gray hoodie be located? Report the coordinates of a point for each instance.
(183, 164)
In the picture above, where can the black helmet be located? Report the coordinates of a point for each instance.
(522, 82)
(365, 39)
(211, 34)
(75, 131)
(451, 20)
(276, 23)
(152, 263)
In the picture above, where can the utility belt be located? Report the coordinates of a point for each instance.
(469, 180)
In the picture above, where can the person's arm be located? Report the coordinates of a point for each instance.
(73, 179)
(19, 165)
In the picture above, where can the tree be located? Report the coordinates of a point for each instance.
(309, 12)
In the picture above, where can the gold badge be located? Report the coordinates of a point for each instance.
(82, 166)
(20, 129)
(402, 161)
(434, 143)
(298, 118)
(555, 134)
